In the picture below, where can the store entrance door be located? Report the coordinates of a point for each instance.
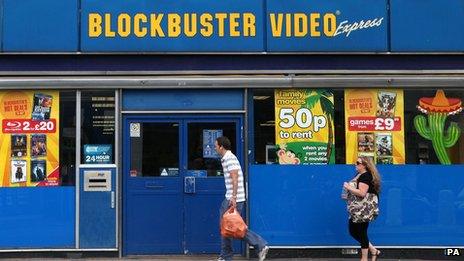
(173, 183)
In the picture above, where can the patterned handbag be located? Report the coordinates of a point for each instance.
(363, 209)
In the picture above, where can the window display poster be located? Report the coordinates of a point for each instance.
(433, 126)
(304, 126)
(374, 120)
(209, 138)
(98, 154)
(29, 138)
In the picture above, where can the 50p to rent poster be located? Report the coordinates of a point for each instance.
(29, 138)
(374, 120)
(304, 126)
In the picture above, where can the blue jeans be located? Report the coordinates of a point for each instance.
(250, 237)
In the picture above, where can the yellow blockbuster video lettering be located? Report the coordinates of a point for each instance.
(171, 25)
(317, 25)
(301, 24)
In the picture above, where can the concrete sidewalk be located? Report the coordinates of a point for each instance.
(205, 258)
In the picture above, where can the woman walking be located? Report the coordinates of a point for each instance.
(367, 181)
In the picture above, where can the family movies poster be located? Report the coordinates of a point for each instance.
(304, 126)
(29, 138)
(374, 120)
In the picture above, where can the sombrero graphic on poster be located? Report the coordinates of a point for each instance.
(438, 108)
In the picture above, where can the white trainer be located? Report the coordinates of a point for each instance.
(262, 254)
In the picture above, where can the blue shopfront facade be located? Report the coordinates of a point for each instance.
(192, 68)
(379, 26)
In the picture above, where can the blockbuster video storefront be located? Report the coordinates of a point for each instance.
(109, 113)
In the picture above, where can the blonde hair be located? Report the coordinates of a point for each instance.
(370, 166)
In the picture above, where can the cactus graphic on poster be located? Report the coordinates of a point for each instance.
(433, 127)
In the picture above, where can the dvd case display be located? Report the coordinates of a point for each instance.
(18, 145)
(38, 145)
(38, 170)
(366, 142)
(384, 160)
(383, 144)
(18, 171)
(42, 106)
(386, 102)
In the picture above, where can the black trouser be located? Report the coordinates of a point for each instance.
(359, 232)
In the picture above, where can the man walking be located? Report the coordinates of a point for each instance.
(235, 197)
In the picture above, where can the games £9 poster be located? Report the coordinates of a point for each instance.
(304, 126)
(374, 120)
(29, 144)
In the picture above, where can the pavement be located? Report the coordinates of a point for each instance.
(207, 258)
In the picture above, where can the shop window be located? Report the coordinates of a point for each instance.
(432, 130)
(264, 126)
(206, 159)
(98, 127)
(38, 138)
(434, 126)
(68, 138)
(150, 156)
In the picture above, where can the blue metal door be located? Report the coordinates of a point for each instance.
(152, 192)
(173, 183)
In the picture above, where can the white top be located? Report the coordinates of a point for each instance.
(230, 162)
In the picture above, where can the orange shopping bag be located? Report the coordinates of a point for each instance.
(232, 224)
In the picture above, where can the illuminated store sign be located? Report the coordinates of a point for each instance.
(233, 26)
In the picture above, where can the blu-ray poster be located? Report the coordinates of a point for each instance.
(29, 138)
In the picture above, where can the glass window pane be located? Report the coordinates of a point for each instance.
(420, 150)
(98, 118)
(68, 138)
(38, 138)
(264, 126)
(155, 152)
(200, 153)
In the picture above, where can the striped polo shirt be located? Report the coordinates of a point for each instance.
(230, 162)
